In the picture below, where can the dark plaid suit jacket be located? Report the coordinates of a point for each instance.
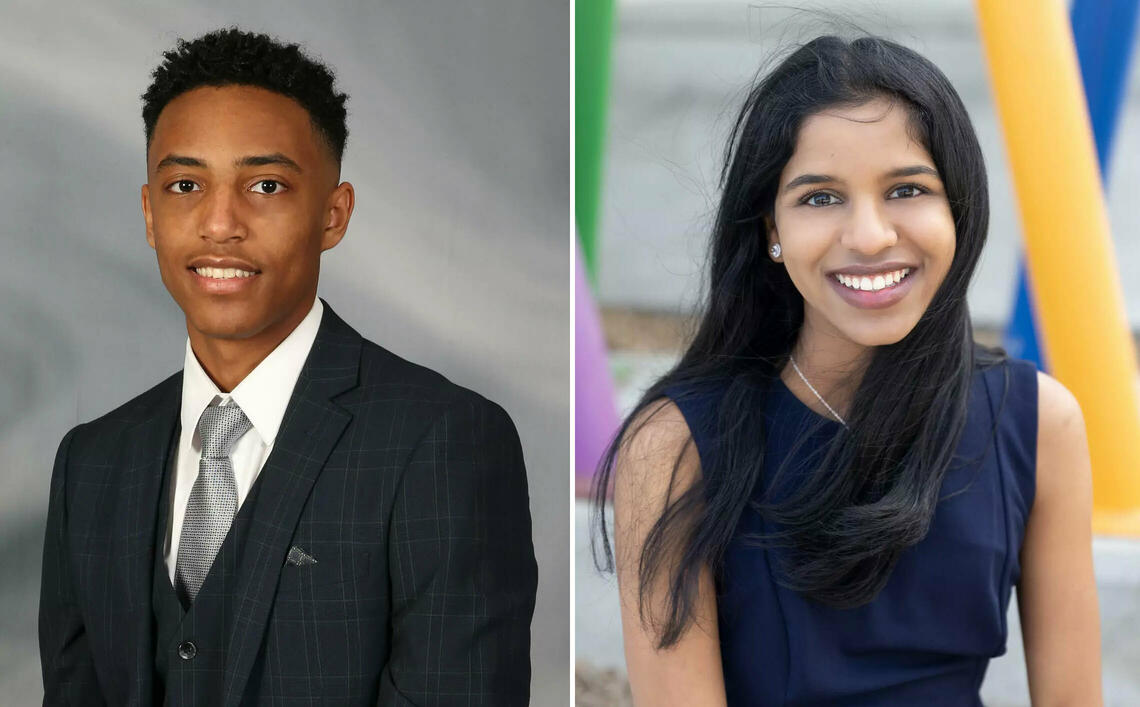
(408, 490)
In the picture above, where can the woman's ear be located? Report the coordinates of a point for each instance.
(774, 248)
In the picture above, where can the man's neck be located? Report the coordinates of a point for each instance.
(228, 361)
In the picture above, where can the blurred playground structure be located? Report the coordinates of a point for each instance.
(1049, 90)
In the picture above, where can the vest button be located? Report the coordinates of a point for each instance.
(187, 650)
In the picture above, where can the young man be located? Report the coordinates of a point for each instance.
(298, 516)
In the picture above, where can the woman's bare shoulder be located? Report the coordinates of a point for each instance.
(656, 459)
(1062, 445)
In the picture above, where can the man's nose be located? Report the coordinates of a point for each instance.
(221, 216)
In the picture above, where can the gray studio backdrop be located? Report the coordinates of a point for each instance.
(456, 256)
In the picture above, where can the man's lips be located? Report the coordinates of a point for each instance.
(222, 275)
(222, 263)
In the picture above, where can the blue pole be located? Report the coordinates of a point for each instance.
(1104, 33)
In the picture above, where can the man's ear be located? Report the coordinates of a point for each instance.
(147, 215)
(337, 214)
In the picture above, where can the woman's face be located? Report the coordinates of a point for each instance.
(863, 223)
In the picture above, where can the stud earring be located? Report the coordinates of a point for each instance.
(775, 250)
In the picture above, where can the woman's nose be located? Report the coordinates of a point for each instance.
(868, 231)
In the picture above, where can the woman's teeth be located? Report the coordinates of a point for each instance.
(872, 283)
(223, 273)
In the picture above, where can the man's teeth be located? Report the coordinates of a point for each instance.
(872, 283)
(223, 273)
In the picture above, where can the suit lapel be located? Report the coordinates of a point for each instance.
(309, 431)
(147, 456)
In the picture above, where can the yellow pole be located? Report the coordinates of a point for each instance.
(1080, 305)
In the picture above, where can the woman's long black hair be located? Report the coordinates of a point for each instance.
(875, 491)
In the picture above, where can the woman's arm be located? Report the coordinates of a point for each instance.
(689, 672)
(1057, 596)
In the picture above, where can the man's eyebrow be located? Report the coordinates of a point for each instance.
(276, 158)
(181, 160)
(809, 179)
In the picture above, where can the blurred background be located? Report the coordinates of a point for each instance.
(456, 257)
(678, 72)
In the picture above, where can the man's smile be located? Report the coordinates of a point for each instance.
(222, 276)
(222, 273)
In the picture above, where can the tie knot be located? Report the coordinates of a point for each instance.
(219, 427)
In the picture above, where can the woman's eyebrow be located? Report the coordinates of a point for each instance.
(809, 179)
(909, 171)
(913, 170)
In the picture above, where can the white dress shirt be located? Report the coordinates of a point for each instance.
(262, 396)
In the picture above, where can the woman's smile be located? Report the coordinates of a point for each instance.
(873, 289)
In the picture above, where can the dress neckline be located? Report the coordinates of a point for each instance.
(781, 388)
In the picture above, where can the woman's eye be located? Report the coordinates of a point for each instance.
(905, 191)
(268, 186)
(184, 186)
(821, 198)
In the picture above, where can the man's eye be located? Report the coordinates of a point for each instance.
(268, 186)
(184, 186)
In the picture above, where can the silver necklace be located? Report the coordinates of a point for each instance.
(817, 395)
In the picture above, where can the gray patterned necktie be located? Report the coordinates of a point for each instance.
(213, 499)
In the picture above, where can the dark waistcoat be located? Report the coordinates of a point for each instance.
(190, 640)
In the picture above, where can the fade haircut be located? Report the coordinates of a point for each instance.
(230, 57)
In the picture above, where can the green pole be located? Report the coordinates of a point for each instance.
(593, 29)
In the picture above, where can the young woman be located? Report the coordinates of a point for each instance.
(830, 497)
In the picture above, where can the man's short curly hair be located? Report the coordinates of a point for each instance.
(231, 57)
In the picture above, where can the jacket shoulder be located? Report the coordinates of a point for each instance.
(161, 398)
(384, 374)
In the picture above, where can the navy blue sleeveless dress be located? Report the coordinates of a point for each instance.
(927, 638)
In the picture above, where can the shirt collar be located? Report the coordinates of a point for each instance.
(265, 392)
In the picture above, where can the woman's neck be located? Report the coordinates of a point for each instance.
(833, 364)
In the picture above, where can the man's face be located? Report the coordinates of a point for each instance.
(242, 198)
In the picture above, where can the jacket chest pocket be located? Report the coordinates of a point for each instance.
(318, 565)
